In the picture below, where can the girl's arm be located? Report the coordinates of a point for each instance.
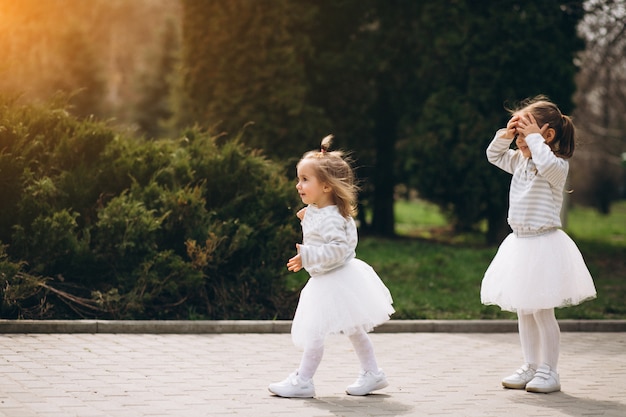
(294, 264)
(549, 166)
(499, 153)
(334, 250)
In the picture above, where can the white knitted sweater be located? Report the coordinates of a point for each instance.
(536, 193)
(329, 239)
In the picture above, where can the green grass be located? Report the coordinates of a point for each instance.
(602, 241)
(434, 275)
(418, 218)
(589, 225)
(430, 280)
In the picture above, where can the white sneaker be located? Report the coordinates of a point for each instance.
(367, 382)
(520, 378)
(545, 380)
(293, 387)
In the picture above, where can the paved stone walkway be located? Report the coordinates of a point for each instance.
(189, 375)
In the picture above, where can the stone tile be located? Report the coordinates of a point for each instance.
(430, 374)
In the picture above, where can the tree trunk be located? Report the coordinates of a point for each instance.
(385, 135)
(497, 228)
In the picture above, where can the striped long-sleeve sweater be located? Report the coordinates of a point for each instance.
(329, 239)
(536, 193)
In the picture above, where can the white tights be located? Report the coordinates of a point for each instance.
(540, 337)
(314, 352)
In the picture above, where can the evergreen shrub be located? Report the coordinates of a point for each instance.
(95, 224)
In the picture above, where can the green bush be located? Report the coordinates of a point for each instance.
(101, 225)
(22, 295)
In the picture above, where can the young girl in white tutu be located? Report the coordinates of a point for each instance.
(343, 294)
(537, 267)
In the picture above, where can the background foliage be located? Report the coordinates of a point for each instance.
(389, 76)
(95, 224)
(109, 210)
(400, 83)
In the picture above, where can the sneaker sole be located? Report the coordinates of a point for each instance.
(380, 385)
(513, 386)
(305, 395)
(541, 390)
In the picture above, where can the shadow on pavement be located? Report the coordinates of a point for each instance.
(575, 406)
(369, 405)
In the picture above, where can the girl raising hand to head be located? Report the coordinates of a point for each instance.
(537, 267)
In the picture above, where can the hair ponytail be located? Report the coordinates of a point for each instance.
(566, 140)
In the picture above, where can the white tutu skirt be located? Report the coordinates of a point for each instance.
(539, 272)
(344, 300)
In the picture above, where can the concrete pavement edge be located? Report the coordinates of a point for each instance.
(283, 326)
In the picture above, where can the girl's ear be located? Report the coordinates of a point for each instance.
(327, 188)
(549, 135)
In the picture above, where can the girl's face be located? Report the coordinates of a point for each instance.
(311, 190)
(521, 145)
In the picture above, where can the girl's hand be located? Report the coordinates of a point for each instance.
(511, 127)
(295, 264)
(528, 125)
(300, 213)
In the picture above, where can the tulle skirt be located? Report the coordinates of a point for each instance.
(344, 300)
(539, 272)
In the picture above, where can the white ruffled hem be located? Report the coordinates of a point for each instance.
(344, 300)
(539, 272)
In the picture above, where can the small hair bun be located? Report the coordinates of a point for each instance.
(326, 142)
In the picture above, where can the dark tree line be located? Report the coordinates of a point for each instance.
(415, 88)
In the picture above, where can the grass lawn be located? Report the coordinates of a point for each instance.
(434, 275)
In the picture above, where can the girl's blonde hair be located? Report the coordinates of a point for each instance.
(545, 111)
(334, 168)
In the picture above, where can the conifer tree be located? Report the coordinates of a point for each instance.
(243, 69)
